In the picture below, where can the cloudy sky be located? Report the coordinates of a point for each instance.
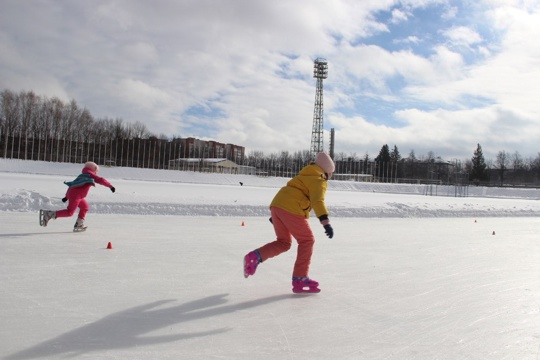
(424, 75)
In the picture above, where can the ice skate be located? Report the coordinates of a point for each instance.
(79, 225)
(251, 261)
(305, 285)
(45, 216)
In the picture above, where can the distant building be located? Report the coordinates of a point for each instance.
(353, 177)
(206, 149)
(210, 165)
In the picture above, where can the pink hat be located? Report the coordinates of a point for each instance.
(325, 162)
(92, 166)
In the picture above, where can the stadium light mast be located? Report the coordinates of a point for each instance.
(320, 72)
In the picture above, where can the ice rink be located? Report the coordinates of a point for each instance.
(172, 286)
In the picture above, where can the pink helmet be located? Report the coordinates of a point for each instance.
(92, 166)
(325, 162)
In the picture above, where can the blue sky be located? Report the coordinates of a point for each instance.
(425, 75)
(419, 31)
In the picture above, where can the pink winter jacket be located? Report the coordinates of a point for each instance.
(82, 190)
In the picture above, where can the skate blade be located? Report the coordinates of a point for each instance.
(41, 218)
(308, 291)
(244, 264)
(79, 229)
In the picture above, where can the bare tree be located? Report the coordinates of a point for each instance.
(9, 108)
(255, 158)
(119, 131)
(412, 156)
(517, 161)
(28, 113)
(502, 161)
(340, 156)
(57, 112)
(535, 163)
(139, 130)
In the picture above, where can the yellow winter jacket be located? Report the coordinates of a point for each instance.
(304, 192)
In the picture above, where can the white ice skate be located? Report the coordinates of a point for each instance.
(79, 225)
(45, 216)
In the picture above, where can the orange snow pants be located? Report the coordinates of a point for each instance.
(286, 226)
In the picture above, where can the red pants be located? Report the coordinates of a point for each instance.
(286, 226)
(73, 204)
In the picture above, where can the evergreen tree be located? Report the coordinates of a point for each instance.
(479, 167)
(383, 162)
(395, 155)
(396, 164)
(384, 154)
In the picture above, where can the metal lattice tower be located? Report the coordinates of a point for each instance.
(320, 72)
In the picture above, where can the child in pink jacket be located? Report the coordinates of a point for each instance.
(76, 197)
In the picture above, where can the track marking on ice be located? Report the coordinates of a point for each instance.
(284, 334)
(488, 317)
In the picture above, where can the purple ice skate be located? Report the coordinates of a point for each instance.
(251, 261)
(305, 285)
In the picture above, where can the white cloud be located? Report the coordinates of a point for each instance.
(462, 36)
(141, 94)
(495, 128)
(398, 16)
(247, 65)
(410, 40)
(450, 13)
(141, 53)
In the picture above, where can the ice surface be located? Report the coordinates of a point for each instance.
(406, 276)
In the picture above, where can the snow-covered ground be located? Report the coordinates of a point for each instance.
(31, 185)
(407, 276)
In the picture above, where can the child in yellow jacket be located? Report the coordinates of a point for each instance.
(290, 210)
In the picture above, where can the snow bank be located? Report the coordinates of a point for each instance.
(28, 186)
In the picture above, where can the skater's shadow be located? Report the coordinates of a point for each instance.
(35, 233)
(129, 328)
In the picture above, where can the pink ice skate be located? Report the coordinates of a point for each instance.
(251, 261)
(305, 285)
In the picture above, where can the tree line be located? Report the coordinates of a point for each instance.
(34, 127)
(506, 169)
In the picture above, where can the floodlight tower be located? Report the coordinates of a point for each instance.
(320, 72)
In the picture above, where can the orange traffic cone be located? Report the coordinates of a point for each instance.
(243, 223)
(109, 245)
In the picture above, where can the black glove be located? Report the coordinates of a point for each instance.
(64, 199)
(329, 231)
(327, 227)
(113, 189)
(270, 220)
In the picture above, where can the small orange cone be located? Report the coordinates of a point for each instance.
(243, 224)
(493, 232)
(109, 245)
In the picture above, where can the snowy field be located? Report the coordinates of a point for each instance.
(407, 276)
